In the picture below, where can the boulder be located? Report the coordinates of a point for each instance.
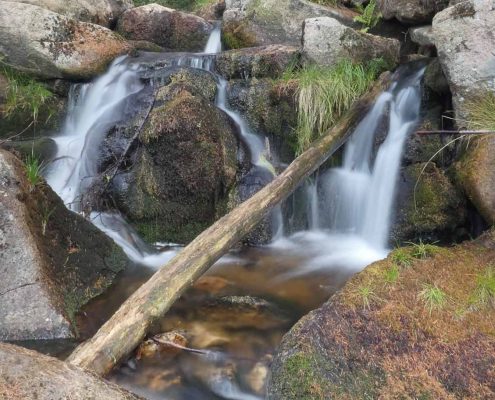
(249, 23)
(326, 42)
(435, 79)
(430, 207)
(476, 175)
(257, 62)
(422, 35)
(185, 165)
(464, 39)
(413, 12)
(101, 12)
(52, 261)
(168, 28)
(26, 374)
(50, 45)
(381, 337)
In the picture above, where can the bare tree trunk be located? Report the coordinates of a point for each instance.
(129, 325)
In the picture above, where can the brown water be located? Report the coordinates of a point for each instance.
(232, 321)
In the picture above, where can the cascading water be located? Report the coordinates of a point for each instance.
(350, 208)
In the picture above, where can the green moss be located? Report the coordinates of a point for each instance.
(237, 35)
(153, 232)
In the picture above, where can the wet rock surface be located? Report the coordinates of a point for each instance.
(168, 28)
(379, 337)
(184, 163)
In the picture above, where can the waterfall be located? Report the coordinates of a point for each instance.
(349, 209)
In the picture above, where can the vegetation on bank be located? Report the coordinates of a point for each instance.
(325, 93)
(24, 94)
(481, 111)
(369, 16)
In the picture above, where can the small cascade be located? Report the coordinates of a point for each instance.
(349, 209)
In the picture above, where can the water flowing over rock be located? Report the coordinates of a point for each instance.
(25, 374)
(52, 261)
(249, 23)
(412, 12)
(168, 28)
(170, 196)
(101, 12)
(50, 45)
(326, 41)
(380, 338)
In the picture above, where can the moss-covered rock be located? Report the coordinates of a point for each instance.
(382, 338)
(269, 108)
(52, 261)
(185, 164)
(429, 205)
(475, 173)
(257, 62)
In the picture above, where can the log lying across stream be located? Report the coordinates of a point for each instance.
(120, 335)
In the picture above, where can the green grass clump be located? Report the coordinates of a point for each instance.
(325, 93)
(391, 274)
(423, 250)
(369, 17)
(24, 94)
(367, 294)
(34, 167)
(481, 112)
(484, 294)
(433, 297)
(402, 257)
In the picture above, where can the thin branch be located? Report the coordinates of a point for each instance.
(460, 132)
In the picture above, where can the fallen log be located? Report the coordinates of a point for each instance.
(128, 326)
(461, 132)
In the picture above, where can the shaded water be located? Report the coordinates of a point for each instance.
(234, 318)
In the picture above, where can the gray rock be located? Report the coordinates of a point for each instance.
(27, 308)
(250, 23)
(435, 78)
(412, 12)
(171, 29)
(256, 62)
(326, 41)
(101, 12)
(422, 35)
(464, 37)
(50, 45)
(26, 374)
(52, 261)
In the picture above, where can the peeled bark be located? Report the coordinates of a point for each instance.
(129, 325)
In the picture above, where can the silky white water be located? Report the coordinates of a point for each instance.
(350, 208)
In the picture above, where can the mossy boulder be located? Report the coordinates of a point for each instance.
(52, 261)
(475, 173)
(429, 205)
(257, 62)
(185, 164)
(251, 23)
(270, 108)
(46, 44)
(380, 336)
(168, 28)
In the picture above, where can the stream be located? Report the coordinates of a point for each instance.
(235, 316)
